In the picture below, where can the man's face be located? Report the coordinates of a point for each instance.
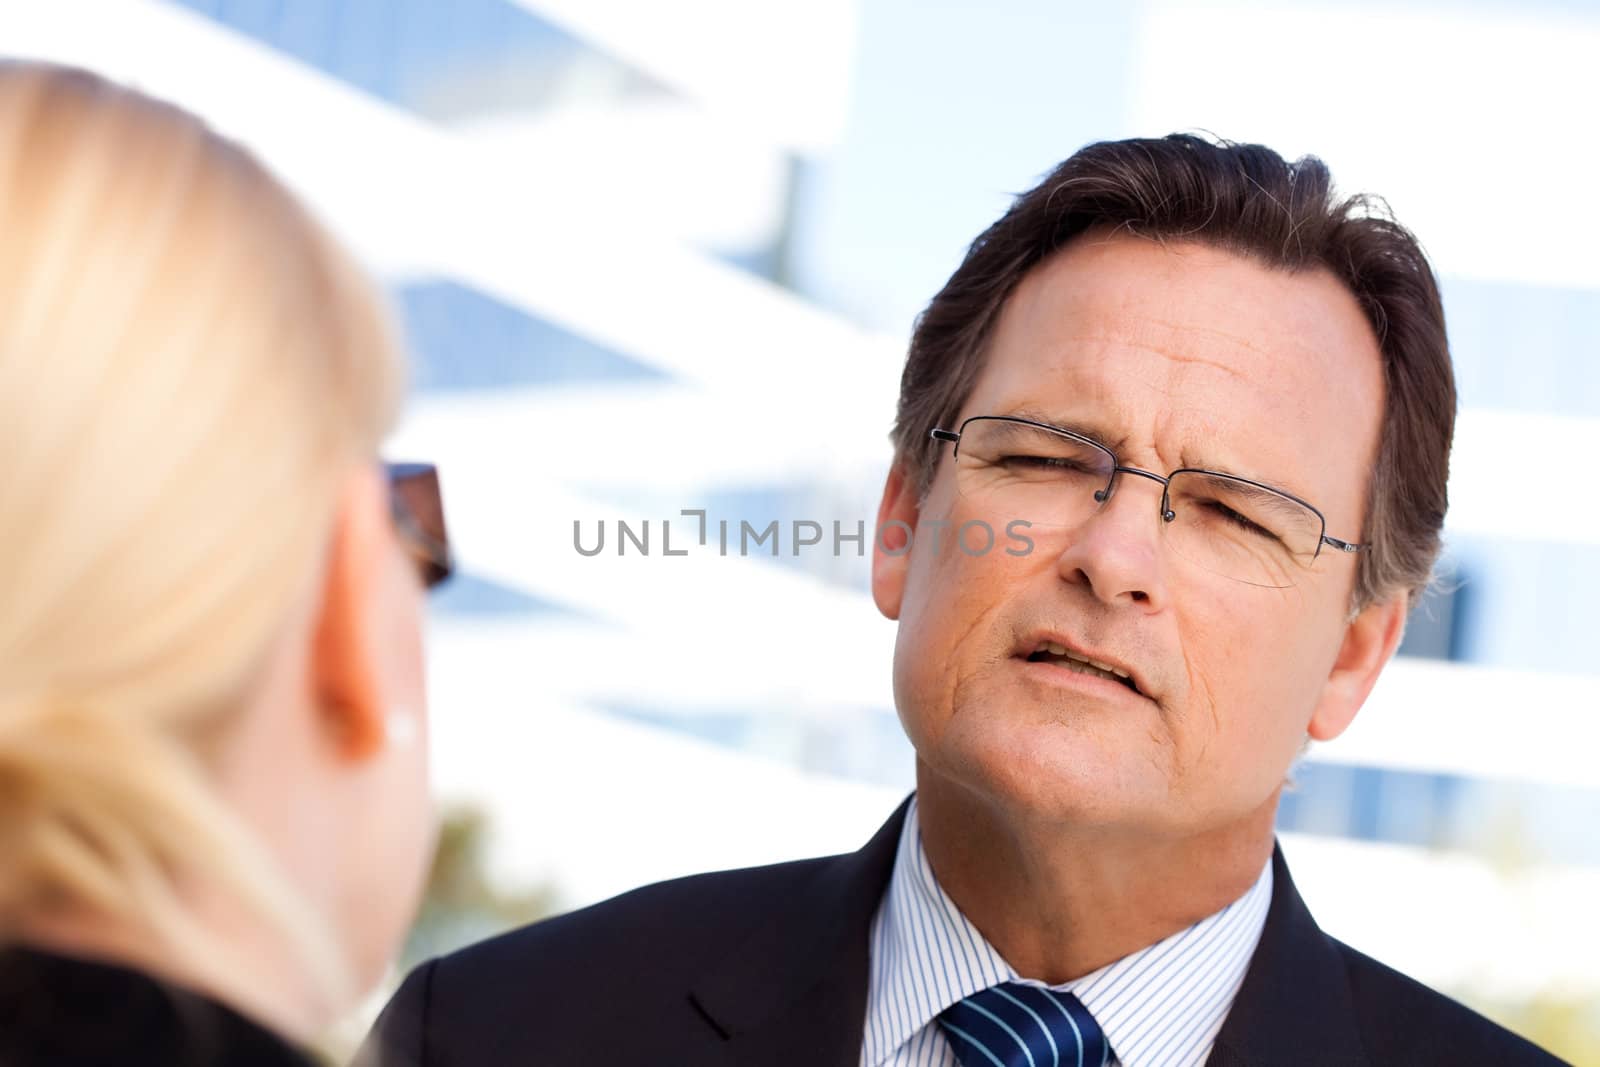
(1178, 356)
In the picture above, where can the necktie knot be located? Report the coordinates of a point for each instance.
(1018, 1025)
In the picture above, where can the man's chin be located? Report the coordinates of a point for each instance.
(1059, 778)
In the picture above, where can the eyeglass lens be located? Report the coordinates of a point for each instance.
(1231, 527)
(419, 516)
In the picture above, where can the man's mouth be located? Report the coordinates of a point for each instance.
(1051, 652)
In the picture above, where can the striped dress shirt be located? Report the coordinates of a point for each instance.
(1159, 1007)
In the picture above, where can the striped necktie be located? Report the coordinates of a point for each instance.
(1017, 1025)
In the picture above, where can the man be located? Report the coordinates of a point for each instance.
(1217, 405)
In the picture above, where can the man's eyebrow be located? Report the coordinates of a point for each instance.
(1258, 485)
(1099, 437)
(1261, 492)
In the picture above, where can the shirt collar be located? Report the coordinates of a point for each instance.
(927, 956)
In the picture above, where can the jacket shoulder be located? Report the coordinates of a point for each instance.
(1404, 1021)
(688, 920)
(622, 968)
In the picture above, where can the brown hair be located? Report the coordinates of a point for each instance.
(1248, 200)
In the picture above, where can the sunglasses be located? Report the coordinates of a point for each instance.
(418, 512)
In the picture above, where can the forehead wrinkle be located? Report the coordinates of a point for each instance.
(1190, 359)
(1238, 340)
(1171, 347)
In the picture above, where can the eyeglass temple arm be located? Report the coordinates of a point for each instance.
(944, 435)
(1342, 546)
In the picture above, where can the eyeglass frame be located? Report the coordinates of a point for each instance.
(1118, 467)
(434, 557)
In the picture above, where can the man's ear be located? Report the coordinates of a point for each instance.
(891, 542)
(346, 655)
(1370, 640)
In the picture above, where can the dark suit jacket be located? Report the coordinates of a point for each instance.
(61, 1011)
(768, 966)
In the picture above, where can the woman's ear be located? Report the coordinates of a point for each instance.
(347, 660)
(891, 540)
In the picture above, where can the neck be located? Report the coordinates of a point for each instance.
(243, 966)
(1060, 901)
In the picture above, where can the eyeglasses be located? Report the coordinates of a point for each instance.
(1016, 468)
(418, 512)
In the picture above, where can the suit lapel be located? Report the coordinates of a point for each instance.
(794, 990)
(1294, 1005)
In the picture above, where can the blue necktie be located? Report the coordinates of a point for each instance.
(1016, 1025)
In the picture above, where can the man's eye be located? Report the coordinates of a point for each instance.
(1233, 518)
(1052, 463)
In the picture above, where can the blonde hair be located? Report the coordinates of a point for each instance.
(189, 367)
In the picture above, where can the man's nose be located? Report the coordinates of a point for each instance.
(1117, 552)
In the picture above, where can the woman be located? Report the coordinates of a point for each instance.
(214, 821)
